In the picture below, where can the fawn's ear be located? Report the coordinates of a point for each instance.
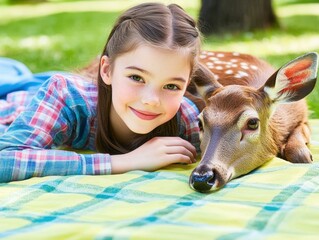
(295, 80)
(205, 81)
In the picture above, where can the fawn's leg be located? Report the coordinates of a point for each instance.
(296, 149)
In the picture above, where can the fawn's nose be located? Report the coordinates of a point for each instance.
(202, 181)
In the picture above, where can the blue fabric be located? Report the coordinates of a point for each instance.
(15, 76)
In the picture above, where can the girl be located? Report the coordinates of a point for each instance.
(135, 117)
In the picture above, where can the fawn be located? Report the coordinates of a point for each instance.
(251, 114)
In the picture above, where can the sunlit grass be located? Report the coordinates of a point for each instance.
(298, 9)
(32, 43)
(19, 12)
(64, 35)
(271, 45)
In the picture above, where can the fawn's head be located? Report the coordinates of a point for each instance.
(235, 133)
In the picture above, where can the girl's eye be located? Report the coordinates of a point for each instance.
(171, 87)
(136, 78)
(253, 124)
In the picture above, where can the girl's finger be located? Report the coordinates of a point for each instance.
(179, 150)
(178, 158)
(177, 141)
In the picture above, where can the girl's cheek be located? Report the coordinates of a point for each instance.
(173, 105)
(126, 91)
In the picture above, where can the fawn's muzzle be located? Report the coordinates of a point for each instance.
(202, 179)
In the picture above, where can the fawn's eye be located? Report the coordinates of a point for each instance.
(200, 125)
(253, 124)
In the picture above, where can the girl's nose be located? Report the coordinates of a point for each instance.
(150, 97)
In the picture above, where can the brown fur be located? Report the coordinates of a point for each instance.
(234, 84)
(287, 124)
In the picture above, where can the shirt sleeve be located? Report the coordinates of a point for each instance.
(56, 116)
(188, 123)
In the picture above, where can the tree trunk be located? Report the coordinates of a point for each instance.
(220, 16)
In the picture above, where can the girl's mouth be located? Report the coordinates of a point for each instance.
(144, 114)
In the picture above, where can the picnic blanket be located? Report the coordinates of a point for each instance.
(279, 200)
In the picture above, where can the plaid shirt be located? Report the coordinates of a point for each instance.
(62, 113)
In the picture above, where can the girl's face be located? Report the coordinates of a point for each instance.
(148, 84)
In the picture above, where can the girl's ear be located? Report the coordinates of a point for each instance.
(105, 70)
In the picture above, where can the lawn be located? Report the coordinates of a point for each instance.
(65, 35)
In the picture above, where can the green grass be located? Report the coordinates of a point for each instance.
(64, 35)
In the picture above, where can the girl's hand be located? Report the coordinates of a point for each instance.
(155, 154)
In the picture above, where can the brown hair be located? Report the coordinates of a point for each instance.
(168, 27)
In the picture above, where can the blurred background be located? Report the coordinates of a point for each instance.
(65, 35)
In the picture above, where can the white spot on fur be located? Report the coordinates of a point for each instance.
(219, 62)
(236, 54)
(229, 71)
(220, 55)
(254, 67)
(219, 68)
(243, 74)
(213, 58)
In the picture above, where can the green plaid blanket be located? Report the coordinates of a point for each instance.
(277, 201)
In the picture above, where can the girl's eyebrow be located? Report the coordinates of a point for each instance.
(139, 69)
(180, 79)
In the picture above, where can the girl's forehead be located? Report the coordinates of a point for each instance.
(147, 53)
(156, 61)
(158, 50)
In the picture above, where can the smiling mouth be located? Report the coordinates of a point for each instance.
(144, 115)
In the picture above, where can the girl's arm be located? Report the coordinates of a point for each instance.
(153, 155)
(60, 114)
(27, 163)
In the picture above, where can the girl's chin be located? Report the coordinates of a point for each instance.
(141, 130)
